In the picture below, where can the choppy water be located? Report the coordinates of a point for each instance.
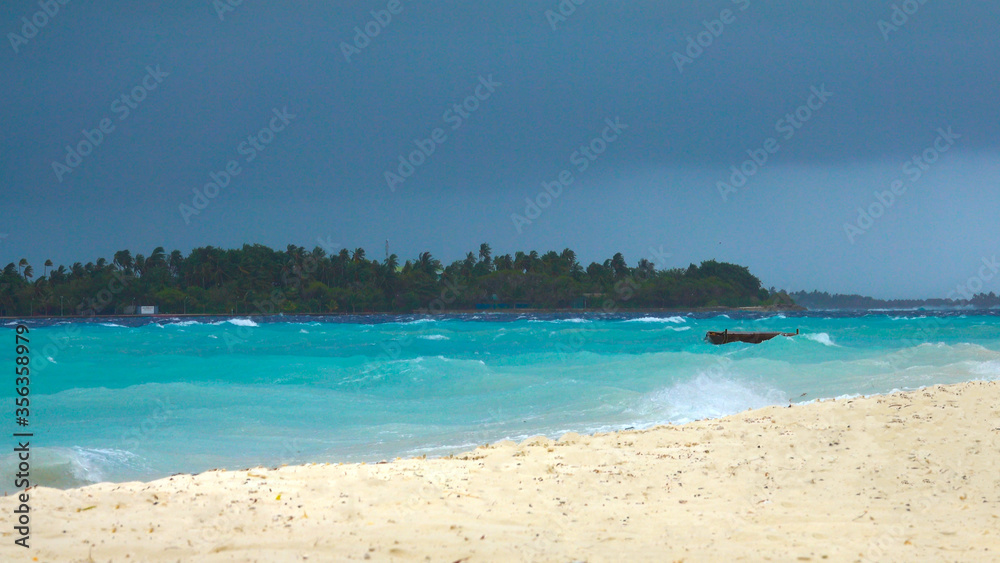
(121, 399)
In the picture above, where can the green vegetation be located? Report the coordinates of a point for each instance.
(824, 300)
(258, 280)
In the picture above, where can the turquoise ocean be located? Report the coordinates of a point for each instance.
(116, 399)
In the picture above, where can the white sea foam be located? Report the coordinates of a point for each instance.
(822, 338)
(185, 323)
(74, 467)
(706, 396)
(675, 320)
(92, 464)
(240, 322)
(991, 368)
(745, 378)
(416, 322)
(779, 316)
(113, 325)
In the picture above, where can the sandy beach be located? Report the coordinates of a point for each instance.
(903, 477)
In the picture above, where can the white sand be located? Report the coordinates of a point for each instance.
(905, 477)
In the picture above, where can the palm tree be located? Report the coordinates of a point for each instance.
(646, 269)
(504, 262)
(485, 252)
(43, 294)
(45, 270)
(212, 267)
(385, 274)
(175, 262)
(552, 263)
(59, 274)
(139, 265)
(520, 261)
(101, 264)
(468, 264)
(157, 259)
(428, 264)
(23, 263)
(322, 264)
(295, 256)
(392, 263)
(569, 257)
(123, 259)
(619, 266)
(29, 272)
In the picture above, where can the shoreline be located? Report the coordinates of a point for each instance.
(463, 312)
(904, 476)
(427, 314)
(422, 314)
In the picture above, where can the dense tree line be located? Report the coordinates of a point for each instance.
(257, 279)
(824, 300)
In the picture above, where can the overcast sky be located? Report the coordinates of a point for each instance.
(197, 85)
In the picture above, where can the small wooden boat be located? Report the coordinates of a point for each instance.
(726, 337)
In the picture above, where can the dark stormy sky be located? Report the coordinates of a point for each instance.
(927, 87)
